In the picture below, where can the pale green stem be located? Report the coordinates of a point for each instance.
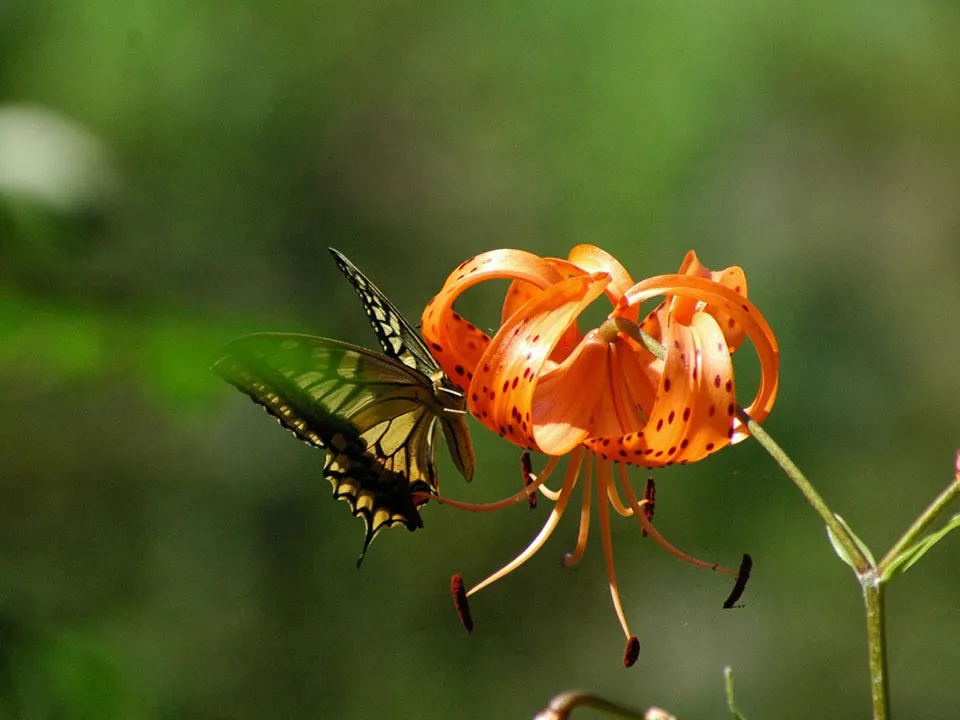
(876, 646)
(933, 511)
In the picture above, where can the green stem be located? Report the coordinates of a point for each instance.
(562, 705)
(876, 646)
(933, 511)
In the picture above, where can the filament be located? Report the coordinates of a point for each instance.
(499, 504)
(604, 481)
(569, 481)
(571, 559)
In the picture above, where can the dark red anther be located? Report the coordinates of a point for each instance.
(460, 602)
(631, 652)
(526, 467)
(650, 495)
(745, 566)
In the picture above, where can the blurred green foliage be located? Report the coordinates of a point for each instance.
(167, 552)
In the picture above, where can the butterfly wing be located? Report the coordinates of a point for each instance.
(397, 337)
(400, 340)
(375, 418)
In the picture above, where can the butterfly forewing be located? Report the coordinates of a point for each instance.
(397, 337)
(375, 418)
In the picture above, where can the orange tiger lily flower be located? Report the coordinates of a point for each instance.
(602, 398)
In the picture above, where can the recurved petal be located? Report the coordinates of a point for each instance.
(682, 308)
(456, 344)
(741, 311)
(501, 394)
(593, 259)
(733, 278)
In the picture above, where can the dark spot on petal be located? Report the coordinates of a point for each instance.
(459, 370)
(437, 347)
(729, 385)
(514, 383)
(670, 418)
(659, 424)
(709, 447)
(717, 381)
(686, 414)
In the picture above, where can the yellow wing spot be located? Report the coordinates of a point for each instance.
(380, 517)
(365, 500)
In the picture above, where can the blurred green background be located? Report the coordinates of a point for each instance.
(171, 174)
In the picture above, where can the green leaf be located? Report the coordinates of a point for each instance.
(906, 560)
(839, 549)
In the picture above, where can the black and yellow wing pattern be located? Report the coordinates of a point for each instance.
(374, 415)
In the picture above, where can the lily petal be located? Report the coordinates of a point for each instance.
(501, 394)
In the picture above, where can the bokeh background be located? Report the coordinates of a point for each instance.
(171, 174)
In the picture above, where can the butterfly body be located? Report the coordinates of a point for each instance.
(375, 415)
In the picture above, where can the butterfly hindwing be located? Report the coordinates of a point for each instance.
(375, 418)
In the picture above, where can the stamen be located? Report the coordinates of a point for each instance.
(650, 498)
(526, 468)
(658, 538)
(746, 565)
(571, 559)
(569, 481)
(460, 602)
(631, 652)
(604, 480)
(499, 504)
(614, 497)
